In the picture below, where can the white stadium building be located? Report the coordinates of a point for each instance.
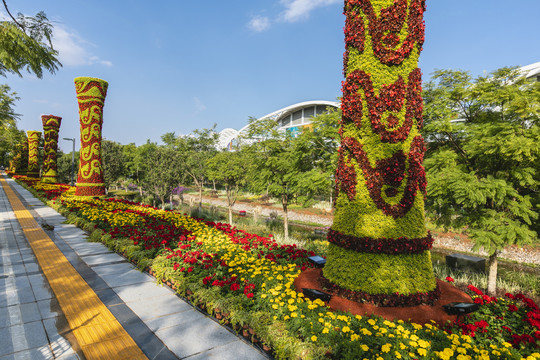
(291, 119)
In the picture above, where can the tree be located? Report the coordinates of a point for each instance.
(163, 176)
(278, 169)
(317, 148)
(64, 166)
(194, 152)
(230, 169)
(113, 160)
(137, 162)
(483, 158)
(26, 44)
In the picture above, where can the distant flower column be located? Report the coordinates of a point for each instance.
(51, 125)
(33, 153)
(20, 159)
(91, 93)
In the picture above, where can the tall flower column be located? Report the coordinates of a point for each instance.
(51, 126)
(379, 246)
(33, 153)
(91, 94)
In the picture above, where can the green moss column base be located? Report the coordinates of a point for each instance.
(375, 274)
(49, 178)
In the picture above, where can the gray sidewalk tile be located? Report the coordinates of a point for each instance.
(193, 338)
(100, 259)
(22, 337)
(59, 345)
(16, 281)
(114, 269)
(128, 278)
(237, 350)
(87, 248)
(167, 321)
(150, 308)
(42, 353)
(141, 291)
(40, 287)
(49, 308)
(18, 296)
(19, 314)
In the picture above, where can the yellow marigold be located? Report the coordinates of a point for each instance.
(325, 331)
(422, 352)
(346, 329)
(386, 348)
(313, 338)
(364, 347)
(371, 322)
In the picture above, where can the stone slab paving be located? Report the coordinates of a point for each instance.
(162, 324)
(27, 318)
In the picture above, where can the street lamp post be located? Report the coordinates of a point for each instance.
(72, 159)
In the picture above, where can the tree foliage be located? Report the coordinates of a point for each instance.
(230, 169)
(483, 158)
(163, 176)
(26, 44)
(112, 156)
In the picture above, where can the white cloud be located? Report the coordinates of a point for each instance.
(296, 10)
(74, 50)
(199, 105)
(259, 23)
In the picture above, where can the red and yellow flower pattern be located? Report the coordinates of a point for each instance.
(51, 126)
(91, 93)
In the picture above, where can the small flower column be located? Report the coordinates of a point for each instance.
(20, 160)
(51, 126)
(379, 246)
(91, 94)
(33, 153)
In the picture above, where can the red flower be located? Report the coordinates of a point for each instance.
(235, 287)
(478, 301)
(512, 308)
(449, 279)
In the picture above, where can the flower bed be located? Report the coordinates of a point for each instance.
(246, 281)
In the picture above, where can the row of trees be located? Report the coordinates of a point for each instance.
(277, 165)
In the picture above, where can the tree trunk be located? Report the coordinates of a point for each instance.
(230, 203)
(200, 198)
(492, 274)
(170, 199)
(285, 203)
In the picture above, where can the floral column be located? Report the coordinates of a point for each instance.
(91, 94)
(51, 125)
(33, 153)
(20, 159)
(379, 246)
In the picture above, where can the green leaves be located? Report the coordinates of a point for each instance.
(483, 170)
(22, 46)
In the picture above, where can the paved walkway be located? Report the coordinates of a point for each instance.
(71, 299)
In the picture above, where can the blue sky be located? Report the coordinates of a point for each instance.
(185, 65)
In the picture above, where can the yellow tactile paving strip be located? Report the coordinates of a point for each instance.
(97, 331)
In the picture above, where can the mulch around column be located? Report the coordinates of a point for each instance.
(421, 314)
